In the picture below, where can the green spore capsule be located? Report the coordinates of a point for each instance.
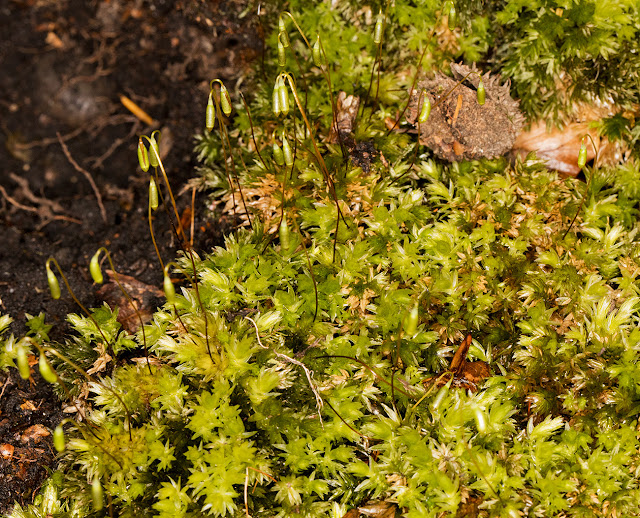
(46, 371)
(285, 235)
(52, 280)
(143, 156)
(377, 31)
(286, 150)
(319, 59)
(58, 439)
(411, 321)
(425, 111)
(283, 94)
(153, 194)
(169, 288)
(94, 268)
(282, 57)
(481, 93)
(97, 494)
(582, 154)
(278, 155)
(210, 113)
(23, 362)
(282, 33)
(452, 16)
(154, 153)
(437, 401)
(277, 109)
(225, 100)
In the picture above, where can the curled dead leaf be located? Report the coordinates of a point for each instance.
(145, 298)
(559, 147)
(465, 374)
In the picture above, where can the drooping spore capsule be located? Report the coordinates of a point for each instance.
(94, 268)
(46, 371)
(319, 58)
(58, 439)
(210, 113)
(225, 100)
(278, 155)
(282, 56)
(97, 494)
(411, 321)
(277, 108)
(154, 152)
(425, 111)
(23, 361)
(282, 33)
(286, 150)
(285, 235)
(153, 194)
(582, 154)
(143, 156)
(283, 94)
(52, 280)
(169, 288)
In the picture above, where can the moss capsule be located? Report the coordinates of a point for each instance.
(282, 56)
(582, 154)
(283, 94)
(210, 113)
(319, 59)
(52, 280)
(286, 150)
(437, 401)
(452, 15)
(425, 111)
(481, 93)
(277, 109)
(282, 33)
(377, 31)
(46, 371)
(225, 100)
(285, 235)
(278, 155)
(154, 152)
(143, 156)
(169, 288)
(97, 494)
(94, 268)
(23, 362)
(153, 194)
(411, 321)
(58, 439)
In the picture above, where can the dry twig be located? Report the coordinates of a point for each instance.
(86, 174)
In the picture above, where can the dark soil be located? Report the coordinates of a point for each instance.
(65, 64)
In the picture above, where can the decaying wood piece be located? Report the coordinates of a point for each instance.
(459, 128)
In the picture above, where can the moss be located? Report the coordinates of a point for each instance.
(289, 383)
